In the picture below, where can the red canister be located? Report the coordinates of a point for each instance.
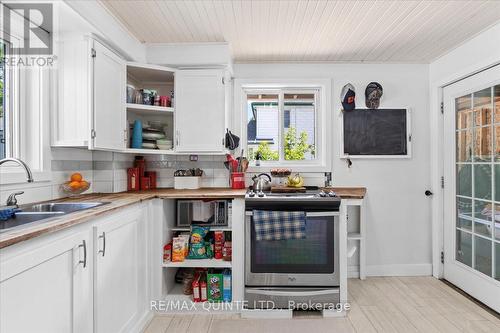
(164, 101)
(145, 183)
(152, 178)
(132, 179)
(238, 180)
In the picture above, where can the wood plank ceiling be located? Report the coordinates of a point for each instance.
(312, 30)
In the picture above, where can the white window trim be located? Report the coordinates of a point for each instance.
(11, 173)
(324, 120)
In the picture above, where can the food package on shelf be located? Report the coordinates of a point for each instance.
(178, 253)
(214, 285)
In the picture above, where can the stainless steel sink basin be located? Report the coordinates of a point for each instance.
(65, 207)
(39, 212)
(24, 218)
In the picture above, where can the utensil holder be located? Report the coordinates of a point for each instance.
(238, 180)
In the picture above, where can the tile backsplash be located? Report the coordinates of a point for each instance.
(110, 170)
(107, 173)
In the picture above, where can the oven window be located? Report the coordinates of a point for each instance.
(313, 254)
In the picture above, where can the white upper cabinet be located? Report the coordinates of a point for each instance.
(71, 97)
(90, 92)
(200, 117)
(91, 108)
(108, 113)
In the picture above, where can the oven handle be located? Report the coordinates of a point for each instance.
(291, 293)
(308, 214)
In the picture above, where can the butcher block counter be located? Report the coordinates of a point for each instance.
(348, 192)
(114, 202)
(117, 201)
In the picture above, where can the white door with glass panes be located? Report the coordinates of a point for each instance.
(472, 185)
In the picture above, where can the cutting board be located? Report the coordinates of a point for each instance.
(287, 189)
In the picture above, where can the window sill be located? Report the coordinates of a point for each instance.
(11, 177)
(295, 168)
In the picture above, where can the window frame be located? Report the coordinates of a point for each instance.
(323, 136)
(23, 117)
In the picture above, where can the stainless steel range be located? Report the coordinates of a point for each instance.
(281, 273)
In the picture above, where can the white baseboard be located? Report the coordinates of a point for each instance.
(353, 272)
(399, 270)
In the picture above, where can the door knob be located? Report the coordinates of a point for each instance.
(428, 193)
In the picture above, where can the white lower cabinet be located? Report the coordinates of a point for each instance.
(47, 286)
(120, 272)
(89, 278)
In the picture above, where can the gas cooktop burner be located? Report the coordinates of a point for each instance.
(310, 194)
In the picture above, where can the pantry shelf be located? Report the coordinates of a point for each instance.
(211, 229)
(148, 109)
(208, 263)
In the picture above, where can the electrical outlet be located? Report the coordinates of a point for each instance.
(193, 158)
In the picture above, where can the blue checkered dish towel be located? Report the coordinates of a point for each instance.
(278, 225)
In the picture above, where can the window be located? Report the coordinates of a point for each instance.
(282, 125)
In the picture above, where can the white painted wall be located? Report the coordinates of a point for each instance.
(479, 53)
(399, 222)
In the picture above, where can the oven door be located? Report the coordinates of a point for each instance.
(312, 261)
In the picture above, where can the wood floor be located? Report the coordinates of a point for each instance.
(386, 304)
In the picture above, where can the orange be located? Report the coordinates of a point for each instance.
(84, 184)
(76, 177)
(74, 185)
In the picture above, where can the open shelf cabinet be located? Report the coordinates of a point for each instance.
(152, 78)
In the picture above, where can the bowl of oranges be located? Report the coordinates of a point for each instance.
(76, 185)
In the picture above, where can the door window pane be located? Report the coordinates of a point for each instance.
(496, 143)
(464, 248)
(299, 126)
(464, 146)
(496, 103)
(464, 180)
(482, 255)
(482, 144)
(263, 127)
(482, 107)
(464, 112)
(496, 220)
(497, 261)
(464, 213)
(482, 181)
(483, 213)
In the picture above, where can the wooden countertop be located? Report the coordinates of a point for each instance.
(116, 201)
(346, 192)
(123, 199)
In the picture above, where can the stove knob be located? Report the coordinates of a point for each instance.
(260, 194)
(251, 194)
(332, 194)
(322, 194)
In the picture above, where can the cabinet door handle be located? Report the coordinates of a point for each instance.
(84, 261)
(177, 138)
(103, 251)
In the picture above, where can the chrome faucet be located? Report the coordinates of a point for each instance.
(22, 164)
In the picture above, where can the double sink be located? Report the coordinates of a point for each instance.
(43, 211)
